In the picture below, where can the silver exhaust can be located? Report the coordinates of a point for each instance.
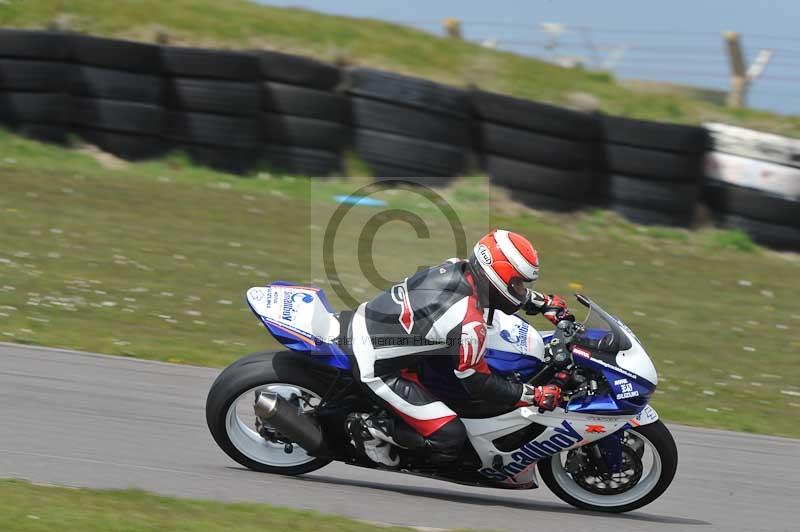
(278, 413)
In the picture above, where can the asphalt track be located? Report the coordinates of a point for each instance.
(87, 420)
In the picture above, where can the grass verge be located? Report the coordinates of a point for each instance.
(25, 507)
(152, 260)
(243, 24)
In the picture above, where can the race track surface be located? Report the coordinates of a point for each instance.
(96, 421)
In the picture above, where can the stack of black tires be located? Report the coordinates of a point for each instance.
(238, 111)
(753, 183)
(34, 72)
(117, 96)
(546, 155)
(408, 128)
(213, 98)
(304, 119)
(654, 169)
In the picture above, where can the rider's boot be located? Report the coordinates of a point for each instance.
(371, 434)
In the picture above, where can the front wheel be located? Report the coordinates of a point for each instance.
(649, 458)
(232, 420)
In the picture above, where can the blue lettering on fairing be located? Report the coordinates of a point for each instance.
(289, 299)
(565, 436)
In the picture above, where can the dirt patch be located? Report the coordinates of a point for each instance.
(105, 159)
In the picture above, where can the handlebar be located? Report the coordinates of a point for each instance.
(565, 330)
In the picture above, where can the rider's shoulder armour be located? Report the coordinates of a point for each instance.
(448, 280)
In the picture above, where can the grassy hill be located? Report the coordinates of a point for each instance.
(242, 24)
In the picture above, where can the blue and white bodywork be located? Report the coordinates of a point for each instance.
(302, 319)
(514, 346)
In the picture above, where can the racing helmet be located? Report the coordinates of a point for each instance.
(502, 263)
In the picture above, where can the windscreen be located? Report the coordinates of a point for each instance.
(601, 330)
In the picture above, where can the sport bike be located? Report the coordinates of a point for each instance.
(603, 448)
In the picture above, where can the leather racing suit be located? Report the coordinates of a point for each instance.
(435, 312)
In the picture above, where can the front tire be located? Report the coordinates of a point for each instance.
(282, 371)
(664, 462)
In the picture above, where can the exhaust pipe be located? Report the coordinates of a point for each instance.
(277, 412)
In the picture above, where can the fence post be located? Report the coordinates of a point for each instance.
(742, 77)
(452, 27)
(736, 94)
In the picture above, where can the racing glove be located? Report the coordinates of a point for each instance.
(546, 397)
(552, 306)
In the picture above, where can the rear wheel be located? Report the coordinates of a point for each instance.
(236, 429)
(649, 462)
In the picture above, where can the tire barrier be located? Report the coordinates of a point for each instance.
(538, 186)
(768, 218)
(117, 96)
(35, 44)
(752, 173)
(765, 233)
(282, 98)
(547, 155)
(298, 71)
(753, 184)
(209, 64)
(754, 144)
(214, 96)
(238, 111)
(234, 111)
(304, 121)
(212, 102)
(405, 127)
(656, 169)
(34, 76)
(40, 115)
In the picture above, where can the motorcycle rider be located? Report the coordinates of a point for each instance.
(441, 312)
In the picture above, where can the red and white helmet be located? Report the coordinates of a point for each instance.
(502, 262)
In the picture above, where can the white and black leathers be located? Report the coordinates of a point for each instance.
(434, 313)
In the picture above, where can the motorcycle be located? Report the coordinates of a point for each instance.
(602, 449)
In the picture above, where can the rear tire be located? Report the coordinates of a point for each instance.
(657, 435)
(253, 371)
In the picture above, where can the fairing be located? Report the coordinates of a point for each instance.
(301, 318)
(513, 346)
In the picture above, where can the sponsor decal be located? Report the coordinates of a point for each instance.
(257, 294)
(565, 436)
(400, 296)
(517, 335)
(581, 352)
(484, 254)
(647, 415)
(291, 301)
(273, 297)
(595, 429)
(626, 390)
(615, 368)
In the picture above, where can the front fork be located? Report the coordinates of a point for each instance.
(607, 453)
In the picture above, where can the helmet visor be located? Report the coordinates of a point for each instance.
(519, 287)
